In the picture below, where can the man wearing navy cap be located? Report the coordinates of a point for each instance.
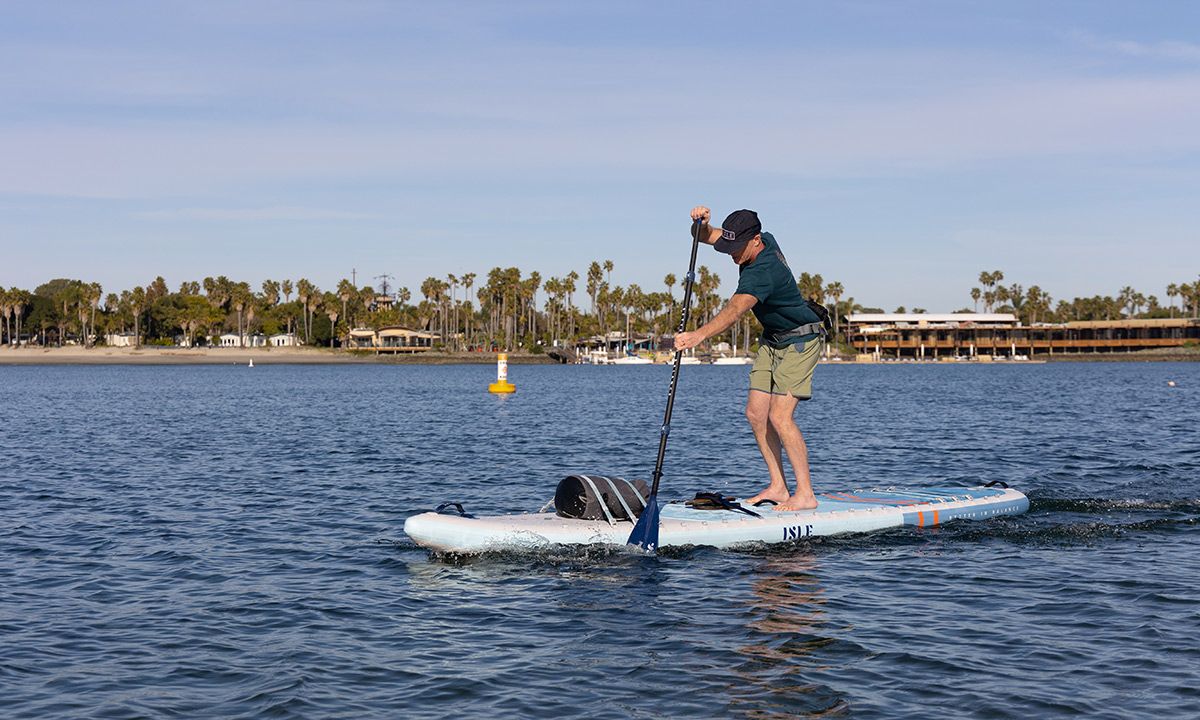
(787, 353)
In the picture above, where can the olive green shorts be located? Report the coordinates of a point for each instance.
(780, 370)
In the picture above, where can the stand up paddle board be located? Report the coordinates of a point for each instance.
(451, 529)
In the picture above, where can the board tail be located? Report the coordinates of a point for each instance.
(645, 532)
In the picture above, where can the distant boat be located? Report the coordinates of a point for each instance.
(631, 360)
(733, 360)
(595, 357)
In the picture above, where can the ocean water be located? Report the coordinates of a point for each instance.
(225, 542)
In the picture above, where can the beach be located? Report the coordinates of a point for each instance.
(151, 355)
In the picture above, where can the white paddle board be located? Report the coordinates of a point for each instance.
(846, 512)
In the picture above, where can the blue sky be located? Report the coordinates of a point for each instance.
(899, 147)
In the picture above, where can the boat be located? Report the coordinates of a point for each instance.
(733, 360)
(631, 360)
(450, 529)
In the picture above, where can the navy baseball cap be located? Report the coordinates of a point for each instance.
(739, 228)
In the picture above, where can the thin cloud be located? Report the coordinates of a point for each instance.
(249, 214)
(1171, 50)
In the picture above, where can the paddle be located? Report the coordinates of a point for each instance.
(645, 532)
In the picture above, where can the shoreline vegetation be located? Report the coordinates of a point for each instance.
(148, 355)
(515, 312)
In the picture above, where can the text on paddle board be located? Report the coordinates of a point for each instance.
(794, 532)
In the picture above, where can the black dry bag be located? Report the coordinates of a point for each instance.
(591, 497)
(823, 314)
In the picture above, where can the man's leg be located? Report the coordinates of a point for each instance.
(783, 423)
(758, 412)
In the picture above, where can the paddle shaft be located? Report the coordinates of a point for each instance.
(683, 320)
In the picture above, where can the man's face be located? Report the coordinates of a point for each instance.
(747, 251)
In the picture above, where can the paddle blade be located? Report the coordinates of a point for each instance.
(645, 532)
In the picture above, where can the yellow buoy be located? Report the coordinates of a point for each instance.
(502, 385)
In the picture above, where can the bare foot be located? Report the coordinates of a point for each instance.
(796, 503)
(775, 496)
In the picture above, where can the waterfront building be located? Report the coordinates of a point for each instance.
(964, 335)
(390, 339)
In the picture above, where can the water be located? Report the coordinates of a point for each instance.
(226, 542)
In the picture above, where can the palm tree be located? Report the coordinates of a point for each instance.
(194, 313)
(570, 288)
(594, 274)
(1015, 295)
(305, 290)
(94, 293)
(811, 287)
(989, 281)
(434, 291)
(240, 299)
(345, 291)
(330, 302)
(835, 291)
(670, 281)
(137, 303)
(270, 290)
(286, 287)
(1126, 299)
(315, 301)
(23, 299)
(976, 293)
(532, 285)
(7, 305)
(467, 281)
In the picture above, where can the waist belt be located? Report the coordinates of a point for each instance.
(813, 328)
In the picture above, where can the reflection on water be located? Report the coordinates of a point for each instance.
(785, 621)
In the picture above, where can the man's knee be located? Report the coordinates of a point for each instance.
(758, 413)
(782, 413)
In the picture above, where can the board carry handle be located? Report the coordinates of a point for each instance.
(441, 509)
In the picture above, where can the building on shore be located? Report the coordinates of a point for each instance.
(391, 339)
(935, 336)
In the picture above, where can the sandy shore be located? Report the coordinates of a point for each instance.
(326, 356)
(239, 356)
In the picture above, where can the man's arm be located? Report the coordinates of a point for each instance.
(737, 306)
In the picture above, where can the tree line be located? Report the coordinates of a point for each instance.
(1036, 305)
(506, 309)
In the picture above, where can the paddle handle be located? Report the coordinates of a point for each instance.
(689, 279)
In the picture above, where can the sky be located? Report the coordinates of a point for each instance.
(899, 147)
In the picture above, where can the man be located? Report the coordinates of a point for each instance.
(787, 354)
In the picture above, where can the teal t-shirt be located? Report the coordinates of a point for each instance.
(780, 306)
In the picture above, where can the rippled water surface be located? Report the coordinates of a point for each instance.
(226, 542)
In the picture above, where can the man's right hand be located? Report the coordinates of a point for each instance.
(688, 340)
